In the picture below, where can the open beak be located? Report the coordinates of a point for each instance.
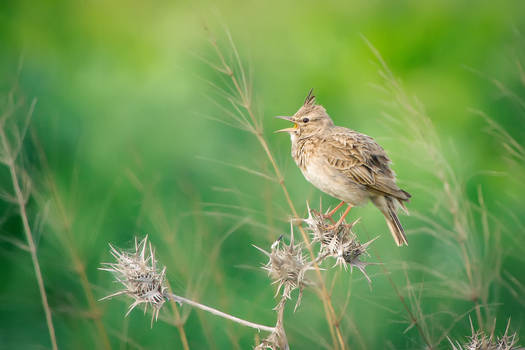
(290, 119)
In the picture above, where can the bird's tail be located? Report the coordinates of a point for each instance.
(388, 206)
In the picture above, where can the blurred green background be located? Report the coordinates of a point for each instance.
(125, 117)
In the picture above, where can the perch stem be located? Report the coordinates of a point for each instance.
(219, 313)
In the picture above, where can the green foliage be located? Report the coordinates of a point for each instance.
(128, 138)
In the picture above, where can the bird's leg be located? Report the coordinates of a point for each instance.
(333, 211)
(340, 221)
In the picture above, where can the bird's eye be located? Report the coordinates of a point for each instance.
(306, 120)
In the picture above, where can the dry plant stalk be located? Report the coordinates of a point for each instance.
(423, 131)
(461, 237)
(11, 143)
(65, 235)
(244, 118)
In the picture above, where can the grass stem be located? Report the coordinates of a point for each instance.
(68, 243)
(21, 203)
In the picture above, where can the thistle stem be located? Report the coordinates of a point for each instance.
(216, 312)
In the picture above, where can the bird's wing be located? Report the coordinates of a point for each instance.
(361, 159)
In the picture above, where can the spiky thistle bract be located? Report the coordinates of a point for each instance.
(287, 266)
(138, 273)
(339, 242)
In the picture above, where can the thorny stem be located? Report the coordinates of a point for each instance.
(280, 322)
(216, 312)
(21, 202)
(335, 329)
(78, 265)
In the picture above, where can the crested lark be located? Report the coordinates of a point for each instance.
(345, 164)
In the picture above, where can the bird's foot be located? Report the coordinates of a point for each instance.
(328, 217)
(333, 211)
(336, 225)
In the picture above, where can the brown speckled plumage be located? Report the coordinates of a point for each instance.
(345, 164)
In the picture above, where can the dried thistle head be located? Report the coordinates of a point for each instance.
(287, 267)
(138, 273)
(275, 341)
(338, 242)
(479, 340)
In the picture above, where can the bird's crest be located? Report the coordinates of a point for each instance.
(310, 99)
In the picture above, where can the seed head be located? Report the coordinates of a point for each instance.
(137, 272)
(338, 242)
(287, 267)
(275, 341)
(481, 341)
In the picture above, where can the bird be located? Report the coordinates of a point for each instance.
(345, 164)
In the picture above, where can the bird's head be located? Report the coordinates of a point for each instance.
(310, 119)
